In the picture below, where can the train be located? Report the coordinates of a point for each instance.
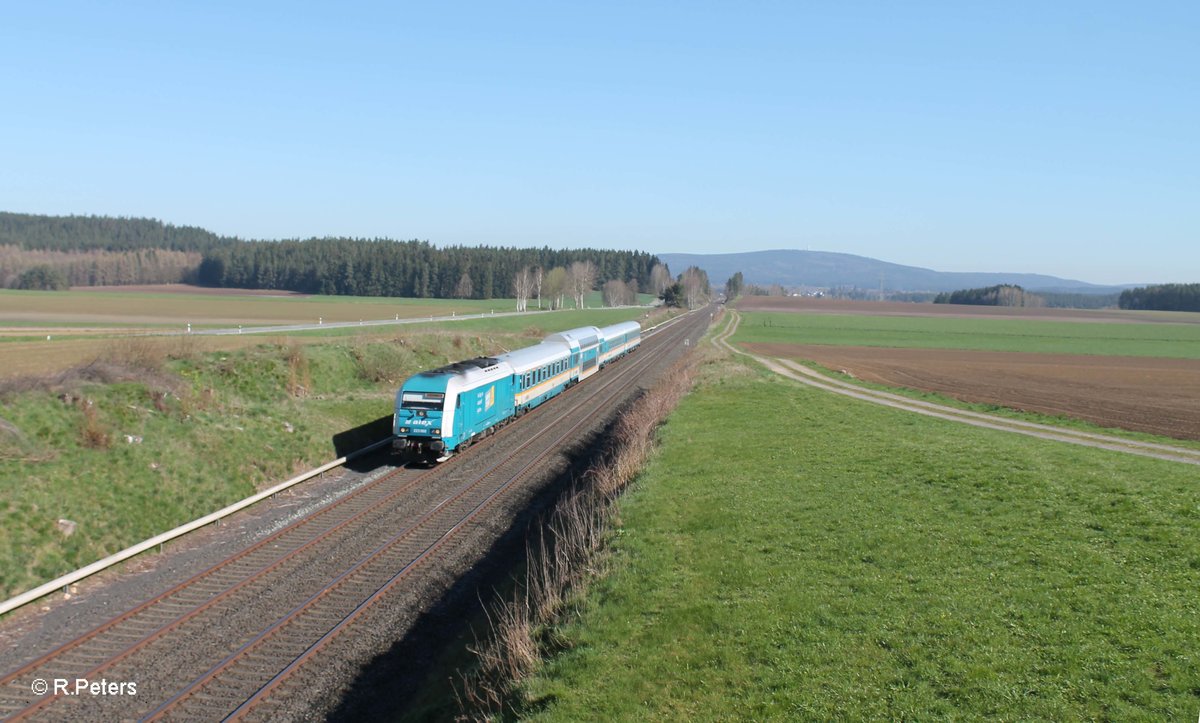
(441, 411)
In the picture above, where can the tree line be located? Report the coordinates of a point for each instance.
(53, 251)
(1162, 297)
(44, 269)
(414, 269)
(999, 295)
(104, 233)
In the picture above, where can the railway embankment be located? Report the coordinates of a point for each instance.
(566, 551)
(148, 436)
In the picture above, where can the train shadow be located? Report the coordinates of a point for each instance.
(355, 438)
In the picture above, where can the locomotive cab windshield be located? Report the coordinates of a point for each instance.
(418, 422)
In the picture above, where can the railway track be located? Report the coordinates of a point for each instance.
(230, 638)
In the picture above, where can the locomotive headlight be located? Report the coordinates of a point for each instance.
(437, 432)
(403, 430)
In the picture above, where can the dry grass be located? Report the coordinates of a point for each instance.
(125, 359)
(93, 433)
(565, 556)
(299, 380)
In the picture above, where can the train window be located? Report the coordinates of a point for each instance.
(422, 400)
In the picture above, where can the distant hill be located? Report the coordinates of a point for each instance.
(825, 269)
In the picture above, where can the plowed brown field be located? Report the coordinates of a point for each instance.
(1159, 396)
(811, 305)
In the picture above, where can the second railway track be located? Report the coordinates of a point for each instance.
(229, 639)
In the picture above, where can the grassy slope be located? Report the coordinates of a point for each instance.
(855, 562)
(1031, 335)
(216, 436)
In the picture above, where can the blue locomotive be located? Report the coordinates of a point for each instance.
(440, 411)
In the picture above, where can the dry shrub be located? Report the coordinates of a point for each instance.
(98, 371)
(186, 347)
(136, 352)
(381, 362)
(566, 555)
(93, 434)
(299, 380)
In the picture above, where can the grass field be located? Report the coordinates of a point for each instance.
(153, 310)
(847, 561)
(1180, 341)
(81, 323)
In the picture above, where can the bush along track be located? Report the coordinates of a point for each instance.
(563, 555)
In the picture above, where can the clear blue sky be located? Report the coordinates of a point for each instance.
(1051, 137)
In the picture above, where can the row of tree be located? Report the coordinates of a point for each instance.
(97, 267)
(87, 233)
(415, 269)
(999, 295)
(98, 251)
(1163, 297)
(56, 251)
(691, 289)
(556, 284)
(733, 286)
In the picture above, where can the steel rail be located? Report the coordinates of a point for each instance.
(262, 694)
(626, 379)
(596, 390)
(89, 570)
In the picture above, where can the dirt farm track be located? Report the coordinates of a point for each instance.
(1145, 394)
(1159, 396)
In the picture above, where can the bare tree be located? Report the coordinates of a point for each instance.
(614, 292)
(660, 279)
(464, 289)
(522, 285)
(581, 277)
(695, 286)
(555, 286)
(537, 284)
(631, 291)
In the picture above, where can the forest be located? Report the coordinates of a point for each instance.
(999, 295)
(415, 269)
(101, 233)
(52, 252)
(1162, 297)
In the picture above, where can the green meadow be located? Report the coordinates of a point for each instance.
(159, 309)
(1181, 341)
(792, 554)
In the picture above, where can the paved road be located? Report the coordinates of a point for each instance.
(348, 324)
(288, 328)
